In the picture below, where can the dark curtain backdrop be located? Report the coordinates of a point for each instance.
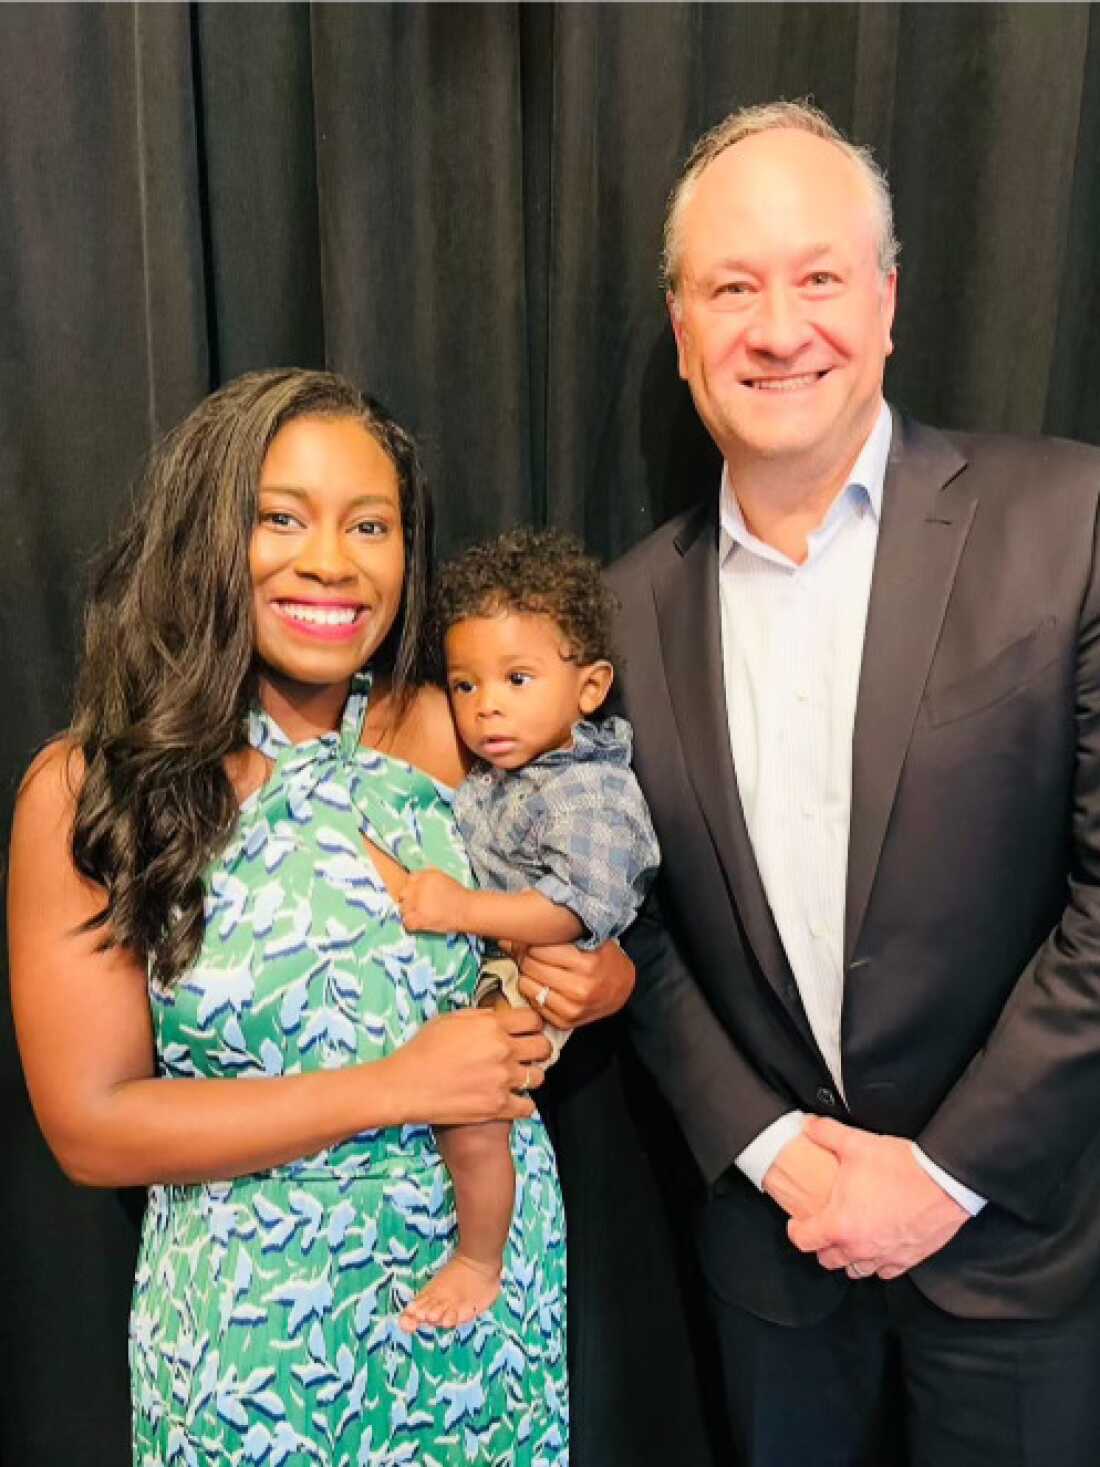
(460, 207)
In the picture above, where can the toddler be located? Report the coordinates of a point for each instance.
(557, 830)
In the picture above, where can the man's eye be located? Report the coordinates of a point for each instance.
(821, 277)
(734, 287)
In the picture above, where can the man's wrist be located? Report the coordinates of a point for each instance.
(757, 1158)
(801, 1177)
(970, 1201)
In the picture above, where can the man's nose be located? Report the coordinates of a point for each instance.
(779, 326)
(324, 556)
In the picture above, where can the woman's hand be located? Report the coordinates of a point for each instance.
(463, 1068)
(569, 986)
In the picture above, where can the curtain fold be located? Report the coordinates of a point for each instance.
(460, 205)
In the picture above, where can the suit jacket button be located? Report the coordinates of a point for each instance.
(826, 1097)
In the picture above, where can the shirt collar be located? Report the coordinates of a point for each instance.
(865, 482)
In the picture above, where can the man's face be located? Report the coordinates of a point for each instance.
(782, 316)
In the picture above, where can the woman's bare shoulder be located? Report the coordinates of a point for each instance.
(426, 737)
(53, 781)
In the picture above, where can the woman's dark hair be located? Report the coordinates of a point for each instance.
(541, 571)
(169, 672)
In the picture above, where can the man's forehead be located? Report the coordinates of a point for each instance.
(780, 171)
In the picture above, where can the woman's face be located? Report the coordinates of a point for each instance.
(327, 553)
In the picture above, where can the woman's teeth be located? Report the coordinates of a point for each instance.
(333, 616)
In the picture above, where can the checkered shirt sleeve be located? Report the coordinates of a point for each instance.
(597, 846)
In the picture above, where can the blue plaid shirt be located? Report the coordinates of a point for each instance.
(572, 825)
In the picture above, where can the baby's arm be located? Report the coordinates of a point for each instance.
(432, 902)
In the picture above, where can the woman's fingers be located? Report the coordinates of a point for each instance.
(519, 1107)
(556, 1008)
(534, 1049)
(518, 1021)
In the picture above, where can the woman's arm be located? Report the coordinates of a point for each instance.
(85, 1034)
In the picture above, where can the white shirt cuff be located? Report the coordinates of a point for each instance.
(972, 1202)
(757, 1157)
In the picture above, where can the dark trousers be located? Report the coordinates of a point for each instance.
(890, 1380)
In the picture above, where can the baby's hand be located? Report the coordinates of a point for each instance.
(429, 901)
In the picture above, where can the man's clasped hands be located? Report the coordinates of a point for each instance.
(860, 1201)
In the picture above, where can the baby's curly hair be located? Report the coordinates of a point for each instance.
(542, 571)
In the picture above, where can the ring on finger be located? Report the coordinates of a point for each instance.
(857, 1271)
(542, 995)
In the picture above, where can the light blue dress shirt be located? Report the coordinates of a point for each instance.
(792, 645)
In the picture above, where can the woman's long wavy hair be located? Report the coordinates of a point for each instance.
(169, 669)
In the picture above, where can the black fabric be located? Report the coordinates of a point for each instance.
(1018, 1393)
(461, 206)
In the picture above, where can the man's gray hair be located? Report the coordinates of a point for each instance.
(746, 122)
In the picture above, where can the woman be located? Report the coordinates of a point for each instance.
(213, 991)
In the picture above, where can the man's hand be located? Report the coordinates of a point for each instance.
(801, 1177)
(885, 1214)
(569, 986)
(430, 901)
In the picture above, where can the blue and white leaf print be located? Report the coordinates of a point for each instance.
(264, 1325)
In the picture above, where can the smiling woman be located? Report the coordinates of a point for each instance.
(327, 559)
(214, 992)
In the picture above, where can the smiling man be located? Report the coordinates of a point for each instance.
(865, 684)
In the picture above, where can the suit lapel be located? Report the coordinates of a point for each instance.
(689, 620)
(921, 537)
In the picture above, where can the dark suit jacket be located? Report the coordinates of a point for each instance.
(971, 1016)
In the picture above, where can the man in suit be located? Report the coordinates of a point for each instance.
(864, 679)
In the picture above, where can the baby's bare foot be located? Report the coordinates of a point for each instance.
(460, 1291)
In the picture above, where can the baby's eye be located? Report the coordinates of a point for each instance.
(519, 679)
(462, 685)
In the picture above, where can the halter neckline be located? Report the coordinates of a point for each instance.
(265, 734)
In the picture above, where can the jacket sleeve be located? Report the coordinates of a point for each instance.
(1018, 1120)
(718, 1098)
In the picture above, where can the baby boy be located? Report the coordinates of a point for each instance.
(555, 824)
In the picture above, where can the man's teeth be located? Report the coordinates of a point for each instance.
(785, 384)
(334, 616)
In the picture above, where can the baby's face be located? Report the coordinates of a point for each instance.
(514, 693)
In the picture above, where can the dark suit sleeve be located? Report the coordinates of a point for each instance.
(718, 1098)
(1029, 1104)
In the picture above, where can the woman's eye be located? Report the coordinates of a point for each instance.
(371, 529)
(279, 519)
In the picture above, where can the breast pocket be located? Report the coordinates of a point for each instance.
(998, 679)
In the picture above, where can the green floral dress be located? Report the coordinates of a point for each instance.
(264, 1322)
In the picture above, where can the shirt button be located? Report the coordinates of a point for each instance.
(818, 930)
(826, 1097)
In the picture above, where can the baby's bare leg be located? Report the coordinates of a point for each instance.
(480, 1162)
